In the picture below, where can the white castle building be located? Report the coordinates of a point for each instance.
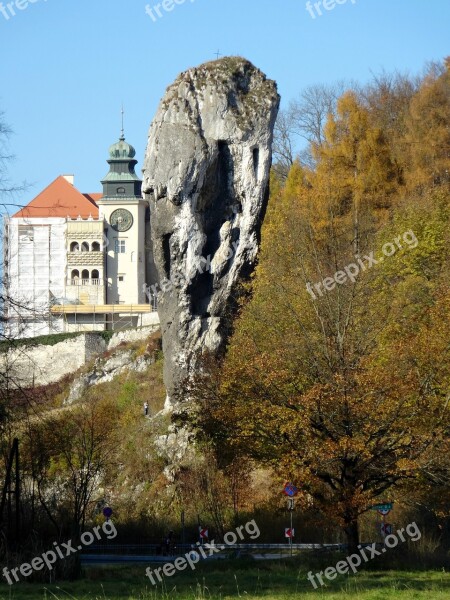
(80, 262)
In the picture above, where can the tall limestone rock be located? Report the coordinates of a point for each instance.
(206, 176)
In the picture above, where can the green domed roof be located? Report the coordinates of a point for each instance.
(122, 150)
(121, 182)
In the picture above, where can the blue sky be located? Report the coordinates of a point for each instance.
(67, 65)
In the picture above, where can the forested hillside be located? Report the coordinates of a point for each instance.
(337, 376)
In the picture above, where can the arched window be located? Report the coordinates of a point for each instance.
(75, 276)
(84, 276)
(95, 247)
(84, 247)
(95, 276)
(74, 247)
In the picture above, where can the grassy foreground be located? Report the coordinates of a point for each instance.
(271, 581)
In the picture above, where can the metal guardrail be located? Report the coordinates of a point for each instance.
(158, 549)
(155, 553)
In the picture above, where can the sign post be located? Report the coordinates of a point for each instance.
(384, 510)
(107, 513)
(290, 491)
(289, 533)
(204, 534)
(291, 506)
(292, 529)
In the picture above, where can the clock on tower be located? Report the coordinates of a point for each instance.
(121, 219)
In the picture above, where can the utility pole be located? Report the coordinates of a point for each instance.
(292, 511)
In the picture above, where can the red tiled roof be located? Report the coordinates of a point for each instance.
(93, 197)
(60, 199)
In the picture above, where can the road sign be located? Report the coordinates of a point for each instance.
(289, 532)
(383, 509)
(290, 489)
(204, 534)
(107, 512)
(386, 528)
(291, 503)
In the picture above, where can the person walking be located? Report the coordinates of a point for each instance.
(170, 543)
(145, 409)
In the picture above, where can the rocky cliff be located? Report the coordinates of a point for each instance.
(206, 178)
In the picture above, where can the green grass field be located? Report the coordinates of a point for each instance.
(271, 581)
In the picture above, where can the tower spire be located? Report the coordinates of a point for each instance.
(122, 135)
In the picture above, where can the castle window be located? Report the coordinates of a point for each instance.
(75, 276)
(84, 276)
(95, 247)
(74, 247)
(121, 190)
(84, 247)
(119, 246)
(95, 276)
(121, 277)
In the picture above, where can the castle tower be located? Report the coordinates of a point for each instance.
(123, 209)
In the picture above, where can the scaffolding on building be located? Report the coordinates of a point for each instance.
(111, 317)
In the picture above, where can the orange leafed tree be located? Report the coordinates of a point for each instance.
(336, 391)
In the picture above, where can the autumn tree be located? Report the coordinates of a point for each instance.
(12, 393)
(428, 133)
(68, 453)
(354, 164)
(387, 98)
(321, 384)
(303, 121)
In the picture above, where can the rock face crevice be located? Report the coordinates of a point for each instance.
(206, 176)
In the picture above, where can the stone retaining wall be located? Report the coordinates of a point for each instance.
(42, 365)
